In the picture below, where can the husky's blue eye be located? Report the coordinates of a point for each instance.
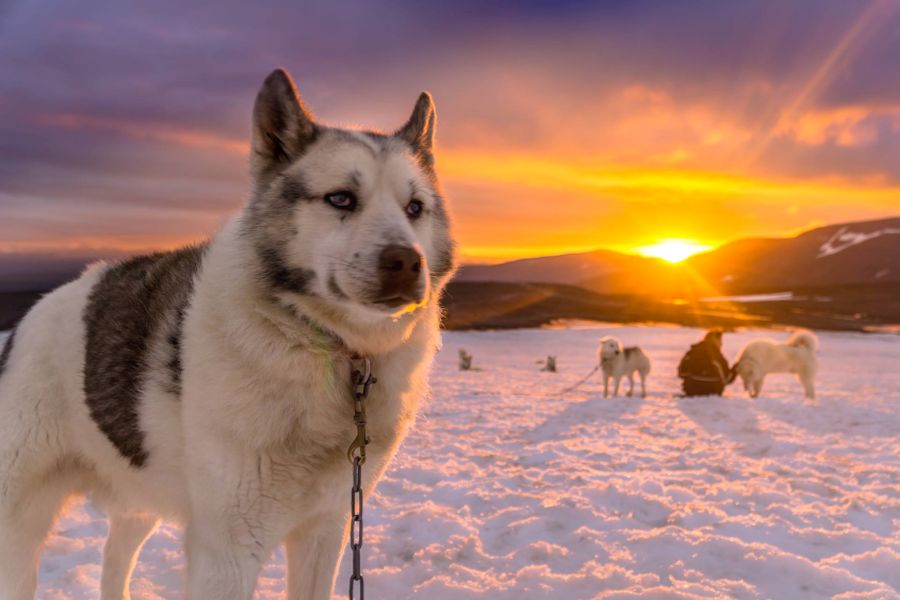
(414, 209)
(342, 200)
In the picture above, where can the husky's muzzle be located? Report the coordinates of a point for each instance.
(400, 276)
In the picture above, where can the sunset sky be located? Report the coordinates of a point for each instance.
(562, 126)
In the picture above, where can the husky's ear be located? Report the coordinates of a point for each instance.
(282, 125)
(419, 130)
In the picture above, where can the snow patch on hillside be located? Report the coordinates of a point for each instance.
(752, 298)
(845, 238)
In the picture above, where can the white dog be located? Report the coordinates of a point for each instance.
(211, 385)
(617, 362)
(761, 357)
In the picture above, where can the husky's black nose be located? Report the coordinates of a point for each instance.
(399, 268)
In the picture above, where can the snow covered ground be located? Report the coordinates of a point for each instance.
(507, 490)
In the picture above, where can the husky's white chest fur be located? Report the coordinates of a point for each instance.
(213, 384)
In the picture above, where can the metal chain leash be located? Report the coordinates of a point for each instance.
(356, 530)
(356, 454)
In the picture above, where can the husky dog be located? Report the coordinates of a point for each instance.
(616, 362)
(212, 384)
(761, 357)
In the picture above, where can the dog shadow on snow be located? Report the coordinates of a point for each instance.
(733, 418)
(590, 408)
(837, 413)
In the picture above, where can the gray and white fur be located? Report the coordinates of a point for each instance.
(211, 385)
(616, 362)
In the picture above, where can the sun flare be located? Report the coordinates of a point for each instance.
(673, 250)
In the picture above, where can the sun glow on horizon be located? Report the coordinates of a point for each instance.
(673, 250)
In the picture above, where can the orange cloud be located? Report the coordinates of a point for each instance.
(651, 114)
(844, 126)
(538, 171)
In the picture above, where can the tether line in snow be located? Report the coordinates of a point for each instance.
(576, 385)
(546, 395)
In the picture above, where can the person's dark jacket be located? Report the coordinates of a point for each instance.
(703, 370)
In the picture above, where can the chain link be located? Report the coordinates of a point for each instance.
(356, 530)
(362, 380)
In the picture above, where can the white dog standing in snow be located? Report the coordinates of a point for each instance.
(762, 357)
(617, 362)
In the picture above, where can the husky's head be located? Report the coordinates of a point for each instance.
(349, 225)
(610, 347)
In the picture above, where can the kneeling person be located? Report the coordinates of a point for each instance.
(703, 369)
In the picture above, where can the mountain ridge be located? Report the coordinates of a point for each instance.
(858, 252)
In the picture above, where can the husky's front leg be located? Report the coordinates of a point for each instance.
(221, 567)
(229, 533)
(313, 554)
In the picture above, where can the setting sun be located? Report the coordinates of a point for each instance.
(673, 251)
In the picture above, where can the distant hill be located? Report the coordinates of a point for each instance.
(845, 254)
(491, 305)
(837, 255)
(566, 269)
